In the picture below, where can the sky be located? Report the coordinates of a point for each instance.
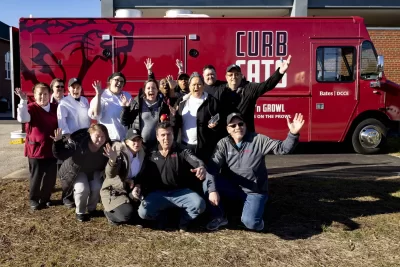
(12, 10)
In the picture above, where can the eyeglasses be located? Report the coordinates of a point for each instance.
(59, 86)
(240, 124)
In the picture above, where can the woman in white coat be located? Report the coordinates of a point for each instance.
(72, 112)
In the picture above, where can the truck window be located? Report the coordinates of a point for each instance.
(368, 61)
(335, 64)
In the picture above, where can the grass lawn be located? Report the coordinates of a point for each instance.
(311, 221)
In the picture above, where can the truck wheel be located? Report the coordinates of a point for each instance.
(369, 137)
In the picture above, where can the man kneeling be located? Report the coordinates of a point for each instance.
(168, 179)
(241, 156)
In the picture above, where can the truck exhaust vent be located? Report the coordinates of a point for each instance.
(128, 13)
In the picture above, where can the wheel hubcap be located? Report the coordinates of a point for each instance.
(370, 136)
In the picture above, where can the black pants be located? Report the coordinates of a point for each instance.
(124, 213)
(43, 178)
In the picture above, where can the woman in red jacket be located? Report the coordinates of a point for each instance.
(40, 118)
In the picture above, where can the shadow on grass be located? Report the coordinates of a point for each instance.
(302, 205)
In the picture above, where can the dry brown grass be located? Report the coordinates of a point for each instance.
(311, 222)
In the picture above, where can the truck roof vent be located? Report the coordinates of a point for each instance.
(176, 13)
(128, 13)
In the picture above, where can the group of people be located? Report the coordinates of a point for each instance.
(188, 144)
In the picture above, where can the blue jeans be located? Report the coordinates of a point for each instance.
(158, 201)
(253, 203)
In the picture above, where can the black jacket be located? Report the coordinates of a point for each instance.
(171, 172)
(71, 152)
(244, 99)
(206, 138)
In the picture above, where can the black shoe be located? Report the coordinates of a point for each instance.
(95, 213)
(82, 217)
(68, 203)
(34, 204)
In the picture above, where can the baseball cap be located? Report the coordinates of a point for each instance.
(233, 115)
(132, 134)
(233, 66)
(183, 76)
(74, 80)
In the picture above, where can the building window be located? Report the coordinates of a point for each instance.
(8, 66)
(335, 64)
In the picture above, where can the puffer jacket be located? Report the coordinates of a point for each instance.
(130, 116)
(66, 150)
(116, 186)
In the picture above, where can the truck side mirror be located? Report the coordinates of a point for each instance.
(379, 66)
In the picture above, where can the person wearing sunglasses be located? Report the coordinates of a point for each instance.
(57, 86)
(241, 159)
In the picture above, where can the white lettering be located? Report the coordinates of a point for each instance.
(253, 74)
(321, 93)
(274, 108)
(253, 70)
(344, 93)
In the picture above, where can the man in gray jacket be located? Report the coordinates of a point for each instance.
(244, 176)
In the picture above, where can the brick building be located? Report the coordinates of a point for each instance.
(387, 42)
(5, 67)
(381, 17)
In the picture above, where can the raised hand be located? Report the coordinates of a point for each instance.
(285, 65)
(22, 95)
(97, 87)
(124, 101)
(200, 172)
(110, 152)
(297, 123)
(172, 83)
(57, 135)
(179, 64)
(148, 64)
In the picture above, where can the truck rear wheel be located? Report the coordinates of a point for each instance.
(369, 137)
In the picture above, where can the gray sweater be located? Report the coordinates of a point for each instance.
(245, 166)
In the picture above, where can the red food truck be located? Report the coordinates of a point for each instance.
(335, 79)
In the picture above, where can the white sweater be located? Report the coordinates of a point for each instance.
(73, 115)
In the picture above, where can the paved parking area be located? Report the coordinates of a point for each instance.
(14, 165)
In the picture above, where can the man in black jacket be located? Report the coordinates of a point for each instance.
(168, 180)
(241, 96)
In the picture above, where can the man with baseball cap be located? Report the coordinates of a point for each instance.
(241, 159)
(121, 191)
(239, 95)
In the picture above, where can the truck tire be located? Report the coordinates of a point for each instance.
(369, 137)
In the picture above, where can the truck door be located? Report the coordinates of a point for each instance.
(15, 68)
(163, 50)
(334, 88)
